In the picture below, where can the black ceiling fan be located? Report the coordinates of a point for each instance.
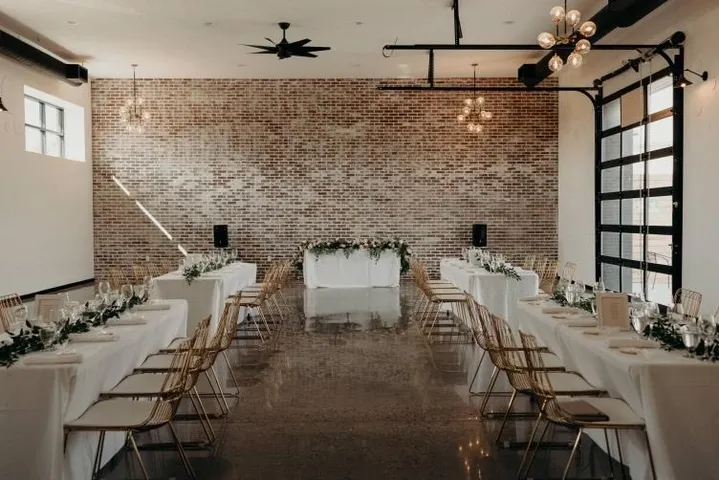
(284, 49)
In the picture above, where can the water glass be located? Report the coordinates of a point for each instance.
(103, 288)
(140, 290)
(571, 294)
(48, 331)
(19, 315)
(126, 292)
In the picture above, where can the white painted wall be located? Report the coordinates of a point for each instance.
(45, 202)
(699, 20)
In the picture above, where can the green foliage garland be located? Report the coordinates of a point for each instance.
(195, 270)
(504, 270)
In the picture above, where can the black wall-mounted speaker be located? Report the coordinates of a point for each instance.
(479, 235)
(220, 234)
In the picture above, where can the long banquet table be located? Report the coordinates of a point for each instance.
(496, 292)
(36, 401)
(676, 396)
(336, 270)
(208, 292)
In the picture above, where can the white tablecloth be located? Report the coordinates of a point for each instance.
(677, 397)
(335, 270)
(358, 305)
(495, 291)
(208, 292)
(36, 401)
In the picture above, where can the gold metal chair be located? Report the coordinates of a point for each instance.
(139, 272)
(153, 270)
(690, 301)
(118, 278)
(134, 416)
(8, 304)
(529, 262)
(548, 280)
(552, 410)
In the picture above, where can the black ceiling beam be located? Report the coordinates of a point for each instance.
(586, 91)
(616, 14)
(525, 47)
(22, 52)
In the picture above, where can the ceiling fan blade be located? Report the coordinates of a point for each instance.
(260, 53)
(315, 49)
(300, 43)
(303, 53)
(262, 47)
(270, 40)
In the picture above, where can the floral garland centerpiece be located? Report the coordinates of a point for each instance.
(375, 246)
(492, 263)
(207, 263)
(28, 338)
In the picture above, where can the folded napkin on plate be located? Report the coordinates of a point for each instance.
(51, 358)
(93, 337)
(151, 307)
(132, 319)
(631, 343)
(551, 310)
(581, 322)
(533, 298)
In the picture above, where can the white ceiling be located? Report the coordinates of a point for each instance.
(170, 38)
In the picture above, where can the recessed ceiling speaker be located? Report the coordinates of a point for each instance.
(220, 234)
(479, 235)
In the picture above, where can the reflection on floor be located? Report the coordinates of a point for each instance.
(354, 392)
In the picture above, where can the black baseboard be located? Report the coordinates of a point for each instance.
(49, 291)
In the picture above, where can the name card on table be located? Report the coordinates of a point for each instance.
(613, 310)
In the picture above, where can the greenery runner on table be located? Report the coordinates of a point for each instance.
(504, 269)
(191, 272)
(375, 246)
(26, 340)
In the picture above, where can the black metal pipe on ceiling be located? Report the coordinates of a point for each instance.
(500, 46)
(616, 14)
(469, 88)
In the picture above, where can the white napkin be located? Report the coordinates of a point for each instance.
(581, 322)
(132, 319)
(51, 358)
(551, 310)
(93, 337)
(631, 343)
(151, 307)
(532, 298)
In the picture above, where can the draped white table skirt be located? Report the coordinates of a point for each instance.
(208, 293)
(36, 401)
(675, 396)
(336, 270)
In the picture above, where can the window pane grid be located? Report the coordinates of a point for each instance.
(44, 128)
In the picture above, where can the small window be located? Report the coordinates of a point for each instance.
(44, 127)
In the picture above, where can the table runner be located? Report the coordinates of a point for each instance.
(36, 401)
(675, 396)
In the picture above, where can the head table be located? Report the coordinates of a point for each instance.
(358, 269)
(676, 396)
(37, 400)
(206, 295)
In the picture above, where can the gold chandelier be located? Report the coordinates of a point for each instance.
(573, 33)
(473, 111)
(133, 114)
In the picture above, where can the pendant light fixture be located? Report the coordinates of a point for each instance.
(133, 114)
(578, 36)
(3, 108)
(473, 112)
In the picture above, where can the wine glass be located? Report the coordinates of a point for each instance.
(19, 315)
(48, 331)
(140, 290)
(570, 294)
(103, 288)
(149, 284)
(126, 292)
(690, 337)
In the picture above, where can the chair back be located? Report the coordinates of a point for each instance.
(690, 301)
(117, 278)
(529, 261)
(139, 272)
(8, 303)
(199, 351)
(153, 270)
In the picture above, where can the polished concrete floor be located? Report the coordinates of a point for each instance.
(354, 392)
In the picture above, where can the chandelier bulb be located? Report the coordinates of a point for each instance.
(480, 101)
(470, 127)
(588, 29)
(479, 128)
(573, 18)
(558, 14)
(466, 110)
(556, 63)
(487, 115)
(583, 46)
(468, 102)
(460, 118)
(546, 40)
(575, 60)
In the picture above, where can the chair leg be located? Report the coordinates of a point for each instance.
(208, 434)
(651, 457)
(181, 451)
(98, 456)
(619, 449)
(529, 445)
(537, 446)
(506, 415)
(216, 394)
(476, 372)
(204, 413)
(220, 391)
(492, 381)
(609, 453)
(232, 372)
(571, 455)
(131, 437)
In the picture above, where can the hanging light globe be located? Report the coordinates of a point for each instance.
(546, 40)
(468, 102)
(588, 29)
(460, 118)
(556, 63)
(558, 14)
(470, 127)
(583, 47)
(573, 18)
(480, 101)
(575, 60)
(479, 128)
(466, 110)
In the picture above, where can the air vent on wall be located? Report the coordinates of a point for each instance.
(20, 51)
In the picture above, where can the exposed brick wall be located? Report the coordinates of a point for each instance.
(281, 161)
